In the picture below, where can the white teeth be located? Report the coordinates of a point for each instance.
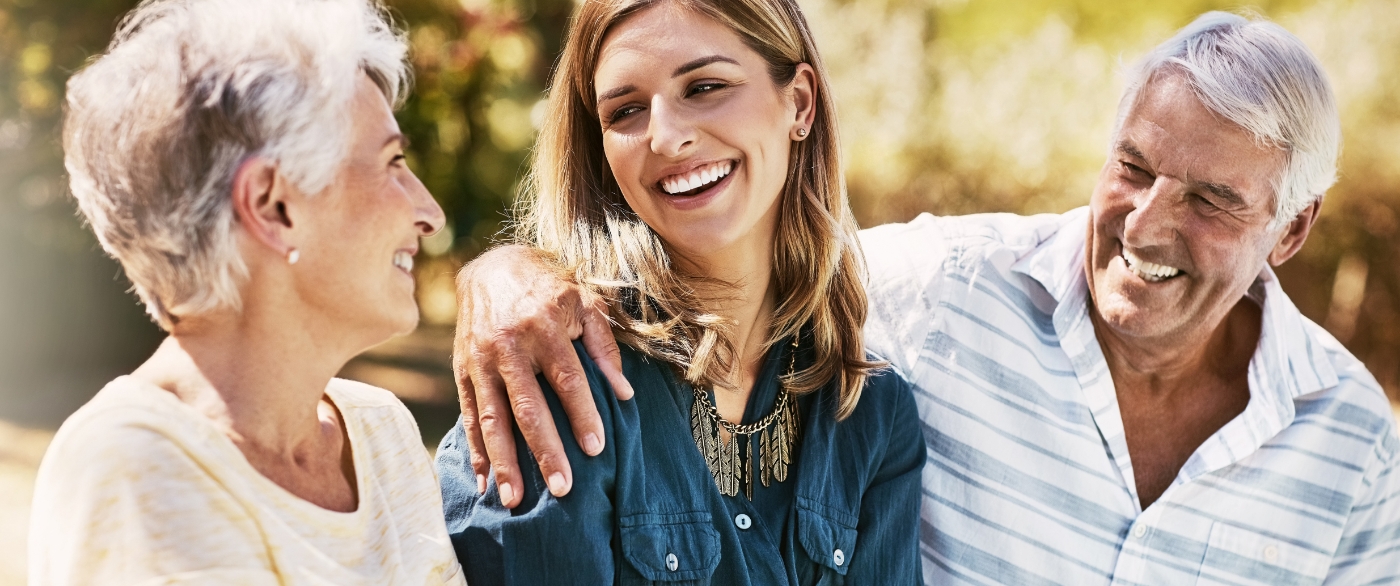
(1149, 271)
(694, 179)
(403, 260)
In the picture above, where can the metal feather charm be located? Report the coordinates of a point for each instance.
(777, 442)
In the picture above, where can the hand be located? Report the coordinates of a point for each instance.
(517, 316)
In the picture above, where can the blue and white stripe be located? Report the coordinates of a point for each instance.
(1028, 478)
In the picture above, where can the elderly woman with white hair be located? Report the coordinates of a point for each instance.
(240, 159)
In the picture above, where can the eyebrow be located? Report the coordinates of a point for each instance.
(1224, 192)
(616, 92)
(1220, 190)
(399, 138)
(1130, 149)
(701, 62)
(682, 70)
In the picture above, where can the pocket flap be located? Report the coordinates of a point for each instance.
(1239, 552)
(829, 536)
(668, 548)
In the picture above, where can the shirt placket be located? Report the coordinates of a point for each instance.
(1077, 338)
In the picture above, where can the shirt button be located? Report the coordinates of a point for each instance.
(671, 562)
(743, 521)
(839, 557)
(1270, 553)
(1139, 531)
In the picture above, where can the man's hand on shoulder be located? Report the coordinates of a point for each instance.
(517, 316)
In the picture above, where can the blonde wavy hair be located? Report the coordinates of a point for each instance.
(572, 209)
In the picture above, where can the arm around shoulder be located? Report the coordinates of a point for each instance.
(905, 263)
(545, 539)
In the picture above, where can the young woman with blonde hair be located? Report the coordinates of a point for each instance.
(688, 173)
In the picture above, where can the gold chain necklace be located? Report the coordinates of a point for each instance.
(775, 448)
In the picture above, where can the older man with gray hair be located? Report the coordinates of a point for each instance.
(1122, 394)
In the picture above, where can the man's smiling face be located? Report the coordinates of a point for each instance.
(1181, 216)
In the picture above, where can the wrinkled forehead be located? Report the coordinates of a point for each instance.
(1172, 130)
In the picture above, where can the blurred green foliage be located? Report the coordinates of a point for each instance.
(947, 106)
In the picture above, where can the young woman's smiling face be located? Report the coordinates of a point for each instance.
(696, 132)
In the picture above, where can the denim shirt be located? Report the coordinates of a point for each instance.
(647, 511)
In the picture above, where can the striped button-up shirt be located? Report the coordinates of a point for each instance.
(1029, 479)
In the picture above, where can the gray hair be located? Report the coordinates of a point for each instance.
(156, 128)
(1262, 78)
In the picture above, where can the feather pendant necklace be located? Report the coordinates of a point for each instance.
(777, 441)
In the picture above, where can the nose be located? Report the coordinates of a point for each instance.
(1156, 215)
(428, 215)
(668, 131)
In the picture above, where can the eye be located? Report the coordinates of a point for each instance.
(705, 86)
(1133, 169)
(622, 112)
(398, 160)
(1203, 200)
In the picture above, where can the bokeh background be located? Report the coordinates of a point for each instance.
(946, 106)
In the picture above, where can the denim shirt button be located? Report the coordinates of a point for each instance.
(743, 521)
(672, 563)
(839, 557)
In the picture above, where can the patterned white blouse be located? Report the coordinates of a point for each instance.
(138, 488)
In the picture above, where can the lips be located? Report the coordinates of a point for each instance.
(1148, 271)
(403, 259)
(696, 180)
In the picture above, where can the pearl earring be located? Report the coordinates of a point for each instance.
(293, 256)
(801, 133)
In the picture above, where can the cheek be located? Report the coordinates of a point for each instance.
(625, 160)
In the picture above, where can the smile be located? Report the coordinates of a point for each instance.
(404, 260)
(696, 181)
(1150, 272)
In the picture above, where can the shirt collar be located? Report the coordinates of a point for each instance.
(1288, 363)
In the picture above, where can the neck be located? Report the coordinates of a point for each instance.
(258, 374)
(1220, 349)
(745, 300)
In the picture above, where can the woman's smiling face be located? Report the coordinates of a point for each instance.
(696, 132)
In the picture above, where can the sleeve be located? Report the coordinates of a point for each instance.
(128, 505)
(1369, 551)
(888, 551)
(544, 540)
(905, 263)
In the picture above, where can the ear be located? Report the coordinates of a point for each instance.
(260, 204)
(1293, 236)
(803, 92)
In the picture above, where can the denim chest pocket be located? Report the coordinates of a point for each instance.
(674, 549)
(1233, 552)
(828, 536)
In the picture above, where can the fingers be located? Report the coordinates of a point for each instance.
(536, 424)
(481, 464)
(466, 397)
(598, 340)
(565, 374)
(494, 423)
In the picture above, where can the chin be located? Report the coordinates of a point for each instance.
(407, 322)
(1130, 320)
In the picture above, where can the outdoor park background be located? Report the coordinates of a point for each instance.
(946, 106)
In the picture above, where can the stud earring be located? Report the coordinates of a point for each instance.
(293, 256)
(801, 133)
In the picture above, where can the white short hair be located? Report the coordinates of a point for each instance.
(1262, 78)
(156, 128)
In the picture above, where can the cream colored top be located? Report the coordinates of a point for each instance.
(138, 488)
